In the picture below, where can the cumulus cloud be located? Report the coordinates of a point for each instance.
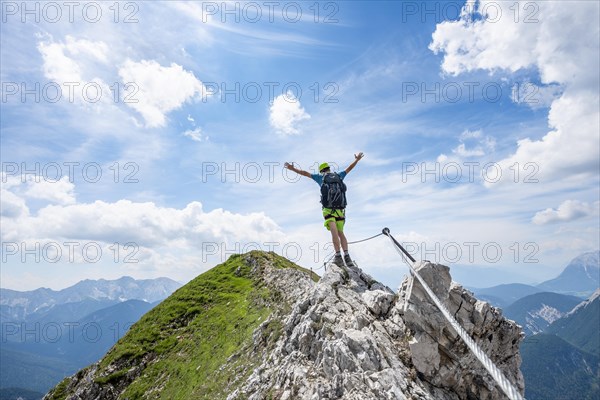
(560, 42)
(112, 237)
(59, 192)
(151, 89)
(156, 90)
(11, 205)
(568, 211)
(14, 194)
(65, 61)
(145, 223)
(74, 65)
(285, 113)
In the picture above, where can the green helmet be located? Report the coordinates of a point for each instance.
(323, 166)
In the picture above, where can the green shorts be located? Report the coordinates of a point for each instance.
(339, 216)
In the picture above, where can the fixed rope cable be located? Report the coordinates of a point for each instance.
(328, 258)
(506, 385)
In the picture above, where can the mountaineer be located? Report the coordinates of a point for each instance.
(333, 200)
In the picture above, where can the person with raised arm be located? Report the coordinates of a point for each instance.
(333, 201)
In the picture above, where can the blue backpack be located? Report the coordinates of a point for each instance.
(333, 191)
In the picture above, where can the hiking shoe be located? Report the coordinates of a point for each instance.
(337, 260)
(348, 260)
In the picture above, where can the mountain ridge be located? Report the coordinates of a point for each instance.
(261, 327)
(17, 305)
(579, 327)
(70, 328)
(537, 311)
(505, 294)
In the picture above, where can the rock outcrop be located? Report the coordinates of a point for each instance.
(352, 338)
(437, 351)
(345, 336)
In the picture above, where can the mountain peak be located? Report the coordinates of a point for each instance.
(259, 326)
(589, 262)
(581, 277)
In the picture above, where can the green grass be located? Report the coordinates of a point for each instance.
(60, 391)
(114, 377)
(188, 339)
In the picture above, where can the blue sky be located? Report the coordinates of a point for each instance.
(189, 110)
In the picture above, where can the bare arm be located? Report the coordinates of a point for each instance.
(357, 158)
(296, 170)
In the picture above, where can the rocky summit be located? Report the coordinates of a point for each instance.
(261, 327)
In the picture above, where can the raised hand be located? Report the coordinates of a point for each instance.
(359, 156)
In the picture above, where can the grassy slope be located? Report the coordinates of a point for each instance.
(193, 333)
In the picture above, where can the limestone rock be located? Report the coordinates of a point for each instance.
(350, 338)
(437, 351)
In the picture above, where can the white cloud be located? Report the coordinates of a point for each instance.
(148, 225)
(563, 49)
(16, 189)
(535, 96)
(74, 65)
(195, 134)
(11, 205)
(472, 144)
(158, 90)
(462, 151)
(137, 238)
(59, 192)
(569, 210)
(65, 61)
(285, 113)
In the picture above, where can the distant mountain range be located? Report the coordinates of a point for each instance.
(22, 306)
(560, 354)
(537, 311)
(47, 334)
(504, 295)
(581, 277)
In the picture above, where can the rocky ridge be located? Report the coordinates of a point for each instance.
(350, 337)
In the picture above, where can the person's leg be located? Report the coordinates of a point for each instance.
(343, 241)
(335, 238)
